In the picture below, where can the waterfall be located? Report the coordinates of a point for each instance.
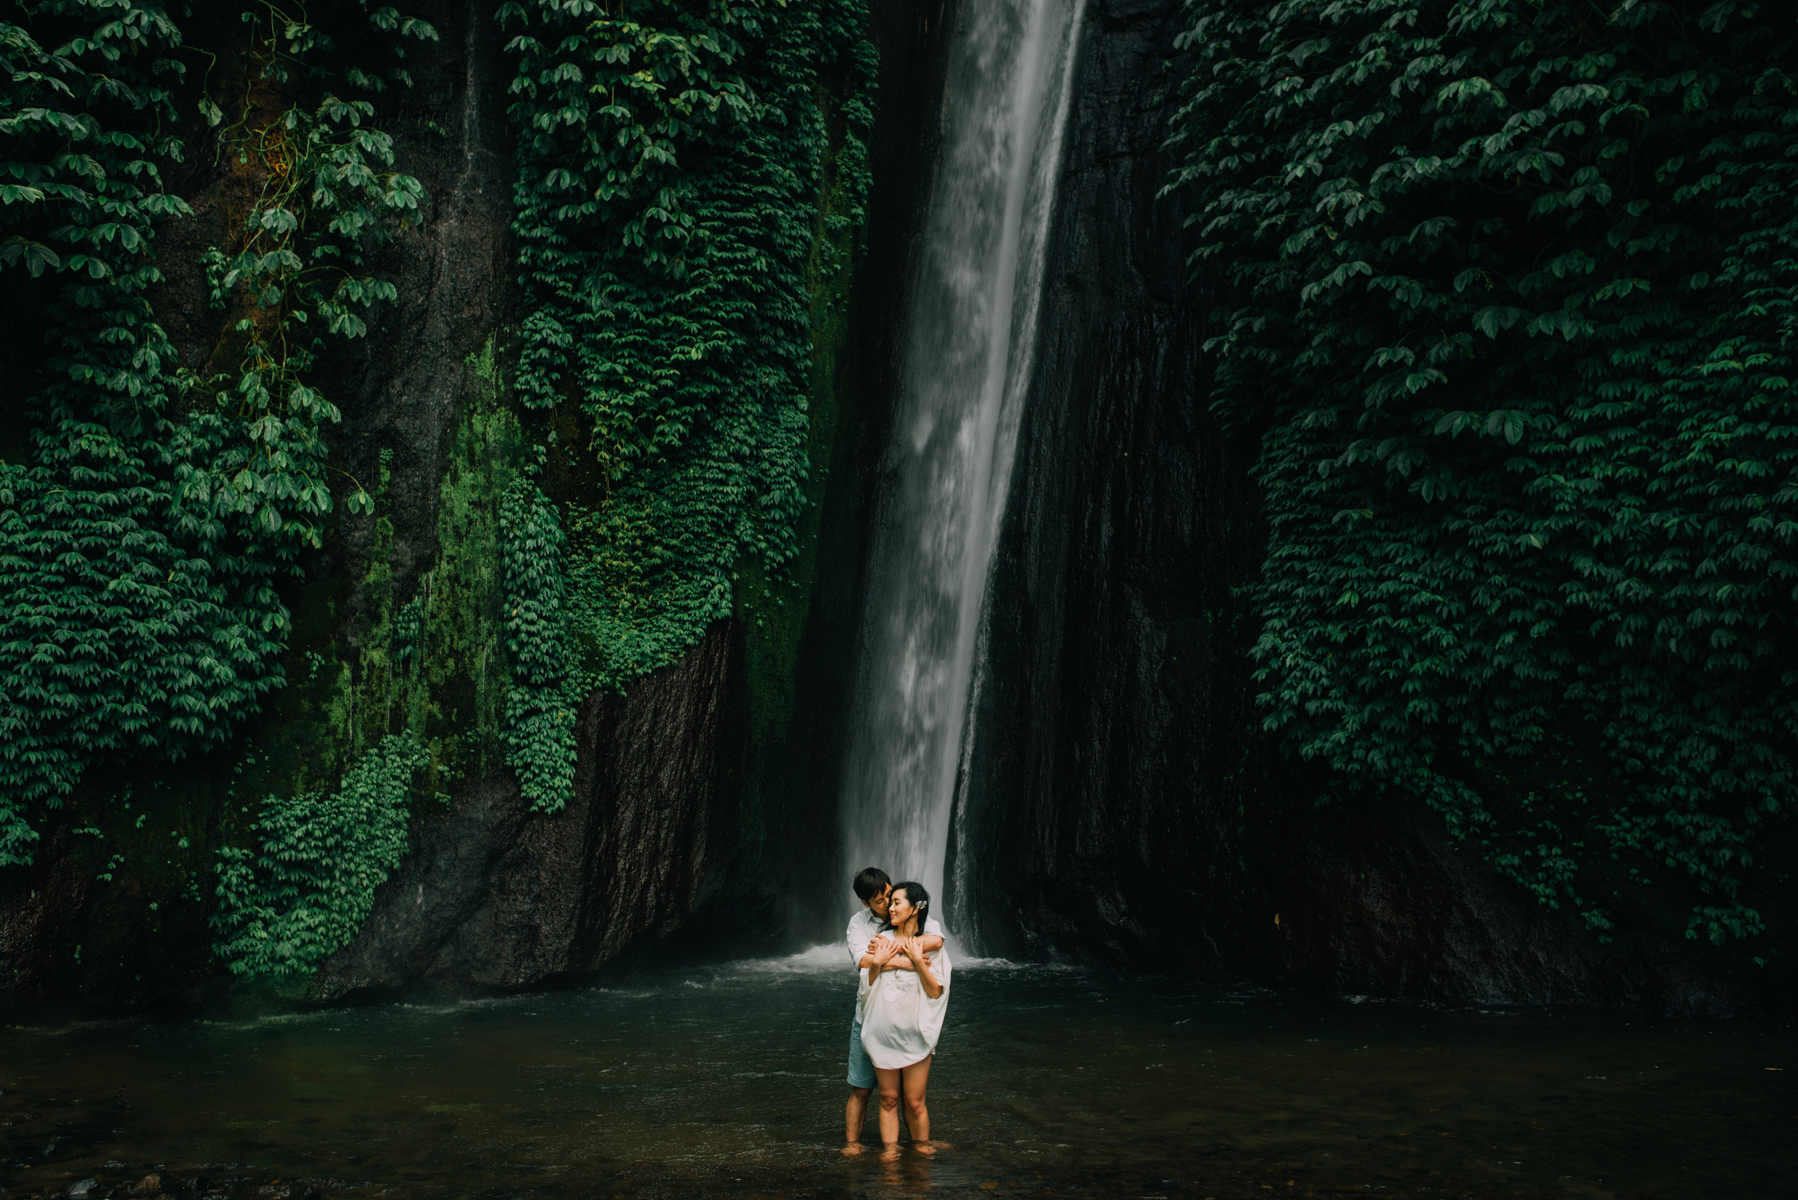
(966, 348)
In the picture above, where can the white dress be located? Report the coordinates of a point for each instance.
(864, 926)
(900, 1023)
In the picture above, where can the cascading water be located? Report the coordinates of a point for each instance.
(967, 345)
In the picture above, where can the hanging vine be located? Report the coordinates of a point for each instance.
(547, 687)
(672, 159)
(284, 910)
(1510, 301)
(141, 539)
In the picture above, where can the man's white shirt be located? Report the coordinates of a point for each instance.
(864, 926)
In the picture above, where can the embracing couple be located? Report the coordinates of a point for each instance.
(902, 995)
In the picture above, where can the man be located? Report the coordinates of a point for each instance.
(863, 937)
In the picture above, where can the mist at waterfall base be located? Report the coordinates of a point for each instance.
(728, 1080)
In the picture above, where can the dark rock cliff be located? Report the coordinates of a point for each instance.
(705, 799)
(492, 895)
(1111, 670)
(1121, 800)
(707, 786)
(495, 896)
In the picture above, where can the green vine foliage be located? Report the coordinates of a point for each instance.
(672, 186)
(296, 272)
(284, 911)
(672, 156)
(546, 690)
(144, 533)
(418, 696)
(119, 629)
(1508, 294)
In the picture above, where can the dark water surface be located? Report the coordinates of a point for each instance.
(1049, 1082)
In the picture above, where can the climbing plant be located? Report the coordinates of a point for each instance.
(546, 688)
(284, 910)
(672, 158)
(141, 539)
(1507, 296)
(116, 630)
(672, 215)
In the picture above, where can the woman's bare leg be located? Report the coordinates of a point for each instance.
(888, 1082)
(917, 1117)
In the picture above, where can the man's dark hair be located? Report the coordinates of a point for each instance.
(870, 883)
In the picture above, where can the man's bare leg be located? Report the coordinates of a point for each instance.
(855, 1114)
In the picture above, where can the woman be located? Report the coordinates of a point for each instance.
(902, 1018)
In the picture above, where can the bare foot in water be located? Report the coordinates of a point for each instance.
(924, 1147)
(851, 1149)
(889, 1152)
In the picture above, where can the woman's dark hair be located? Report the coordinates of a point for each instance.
(920, 900)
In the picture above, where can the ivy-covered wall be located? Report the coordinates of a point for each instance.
(194, 206)
(437, 442)
(1144, 787)
(1506, 296)
(477, 546)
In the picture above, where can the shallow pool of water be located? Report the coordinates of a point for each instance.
(1050, 1081)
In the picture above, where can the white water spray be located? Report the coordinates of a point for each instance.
(969, 331)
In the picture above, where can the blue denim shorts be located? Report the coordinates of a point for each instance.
(861, 1067)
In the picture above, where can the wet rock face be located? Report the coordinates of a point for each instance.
(1119, 803)
(1120, 798)
(40, 913)
(495, 896)
(1114, 683)
(1379, 899)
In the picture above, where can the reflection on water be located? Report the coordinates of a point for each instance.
(1049, 1082)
